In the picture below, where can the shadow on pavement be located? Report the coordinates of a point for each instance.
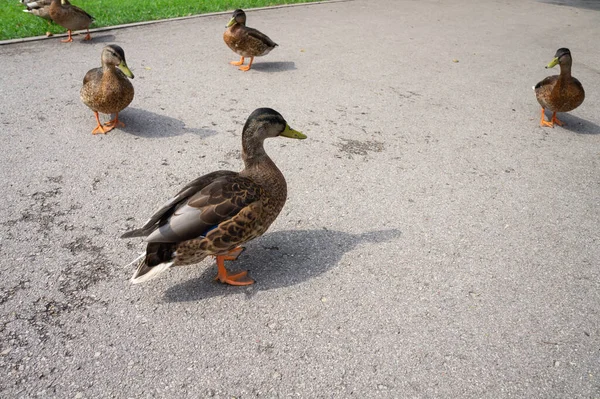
(578, 125)
(279, 259)
(274, 66)
(589, 4)
(143, 123)
(98, 38)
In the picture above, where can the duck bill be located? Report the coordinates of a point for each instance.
(552, 63)
(292, 134)
(123, 67)
(231, 22)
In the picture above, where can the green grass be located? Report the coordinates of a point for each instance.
(14, 23)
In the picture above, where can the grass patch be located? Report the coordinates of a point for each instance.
(14, 23)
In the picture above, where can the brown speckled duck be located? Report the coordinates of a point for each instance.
(107, 89)
(559, 93)
(70, 17)
(246, 42)
(40, 8)
(218, 212)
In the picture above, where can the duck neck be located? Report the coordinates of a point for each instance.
(565, 69)
(253, 152)
(109, 71)
(259, 166)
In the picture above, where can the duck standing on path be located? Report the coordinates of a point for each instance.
(218, 212)
(107, 89)
(70, 17)
(246, 42)
(559, 93)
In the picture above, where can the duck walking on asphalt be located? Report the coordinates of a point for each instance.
(559, 93)
(247, 42)
(218, 212)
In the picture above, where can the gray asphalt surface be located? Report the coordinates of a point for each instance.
(436, 241)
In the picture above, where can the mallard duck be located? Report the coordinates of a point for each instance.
(246, 42)
(107, 89)
(218, 212)
(70, 17)
(40, 8)
(559, 93)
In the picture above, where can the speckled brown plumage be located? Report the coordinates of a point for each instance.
(107, 89)
(559, 93)
(247, 42)
(216, 213)
(70, 17)
(40, 8)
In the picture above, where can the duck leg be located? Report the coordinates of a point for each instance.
(543, 121)
(99, 128)
(114, 123)
(240, 62)
(69, 39)
(87, 37)
(223, 276)
(247, 67)
(555, 120)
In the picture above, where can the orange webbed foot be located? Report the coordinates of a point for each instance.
(240, 62)
(555, 120)
(238, 279)
(246, 68)
(543, 121)
(100, 130)
(114, 123)
(546, 123)
(224, 277)
(87, 37)
(68, 39)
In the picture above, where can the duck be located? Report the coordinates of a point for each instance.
(559, 93)
(247, 42)
(40, 8)
(70, 17)
(216, 213)
(107, 89)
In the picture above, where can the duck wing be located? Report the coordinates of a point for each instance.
(261, 36)
(199, 207)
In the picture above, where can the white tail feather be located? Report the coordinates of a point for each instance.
(150, 274)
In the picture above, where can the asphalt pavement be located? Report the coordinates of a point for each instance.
(436, 242)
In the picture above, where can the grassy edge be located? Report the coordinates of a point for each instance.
(162, 20)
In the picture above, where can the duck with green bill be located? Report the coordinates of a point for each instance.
(218, 212)
(107, 89)
(559, 93)
(247, 42)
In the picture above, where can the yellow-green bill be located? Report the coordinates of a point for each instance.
(123, 67)
(291, 133)
(552, 63)
(231, 22)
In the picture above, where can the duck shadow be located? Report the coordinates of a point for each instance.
(99, 38)
(589, 4)
(578, 125)
(277, 66)
(144, 123)
(279, 259)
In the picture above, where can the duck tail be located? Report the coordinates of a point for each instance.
(157, 259)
